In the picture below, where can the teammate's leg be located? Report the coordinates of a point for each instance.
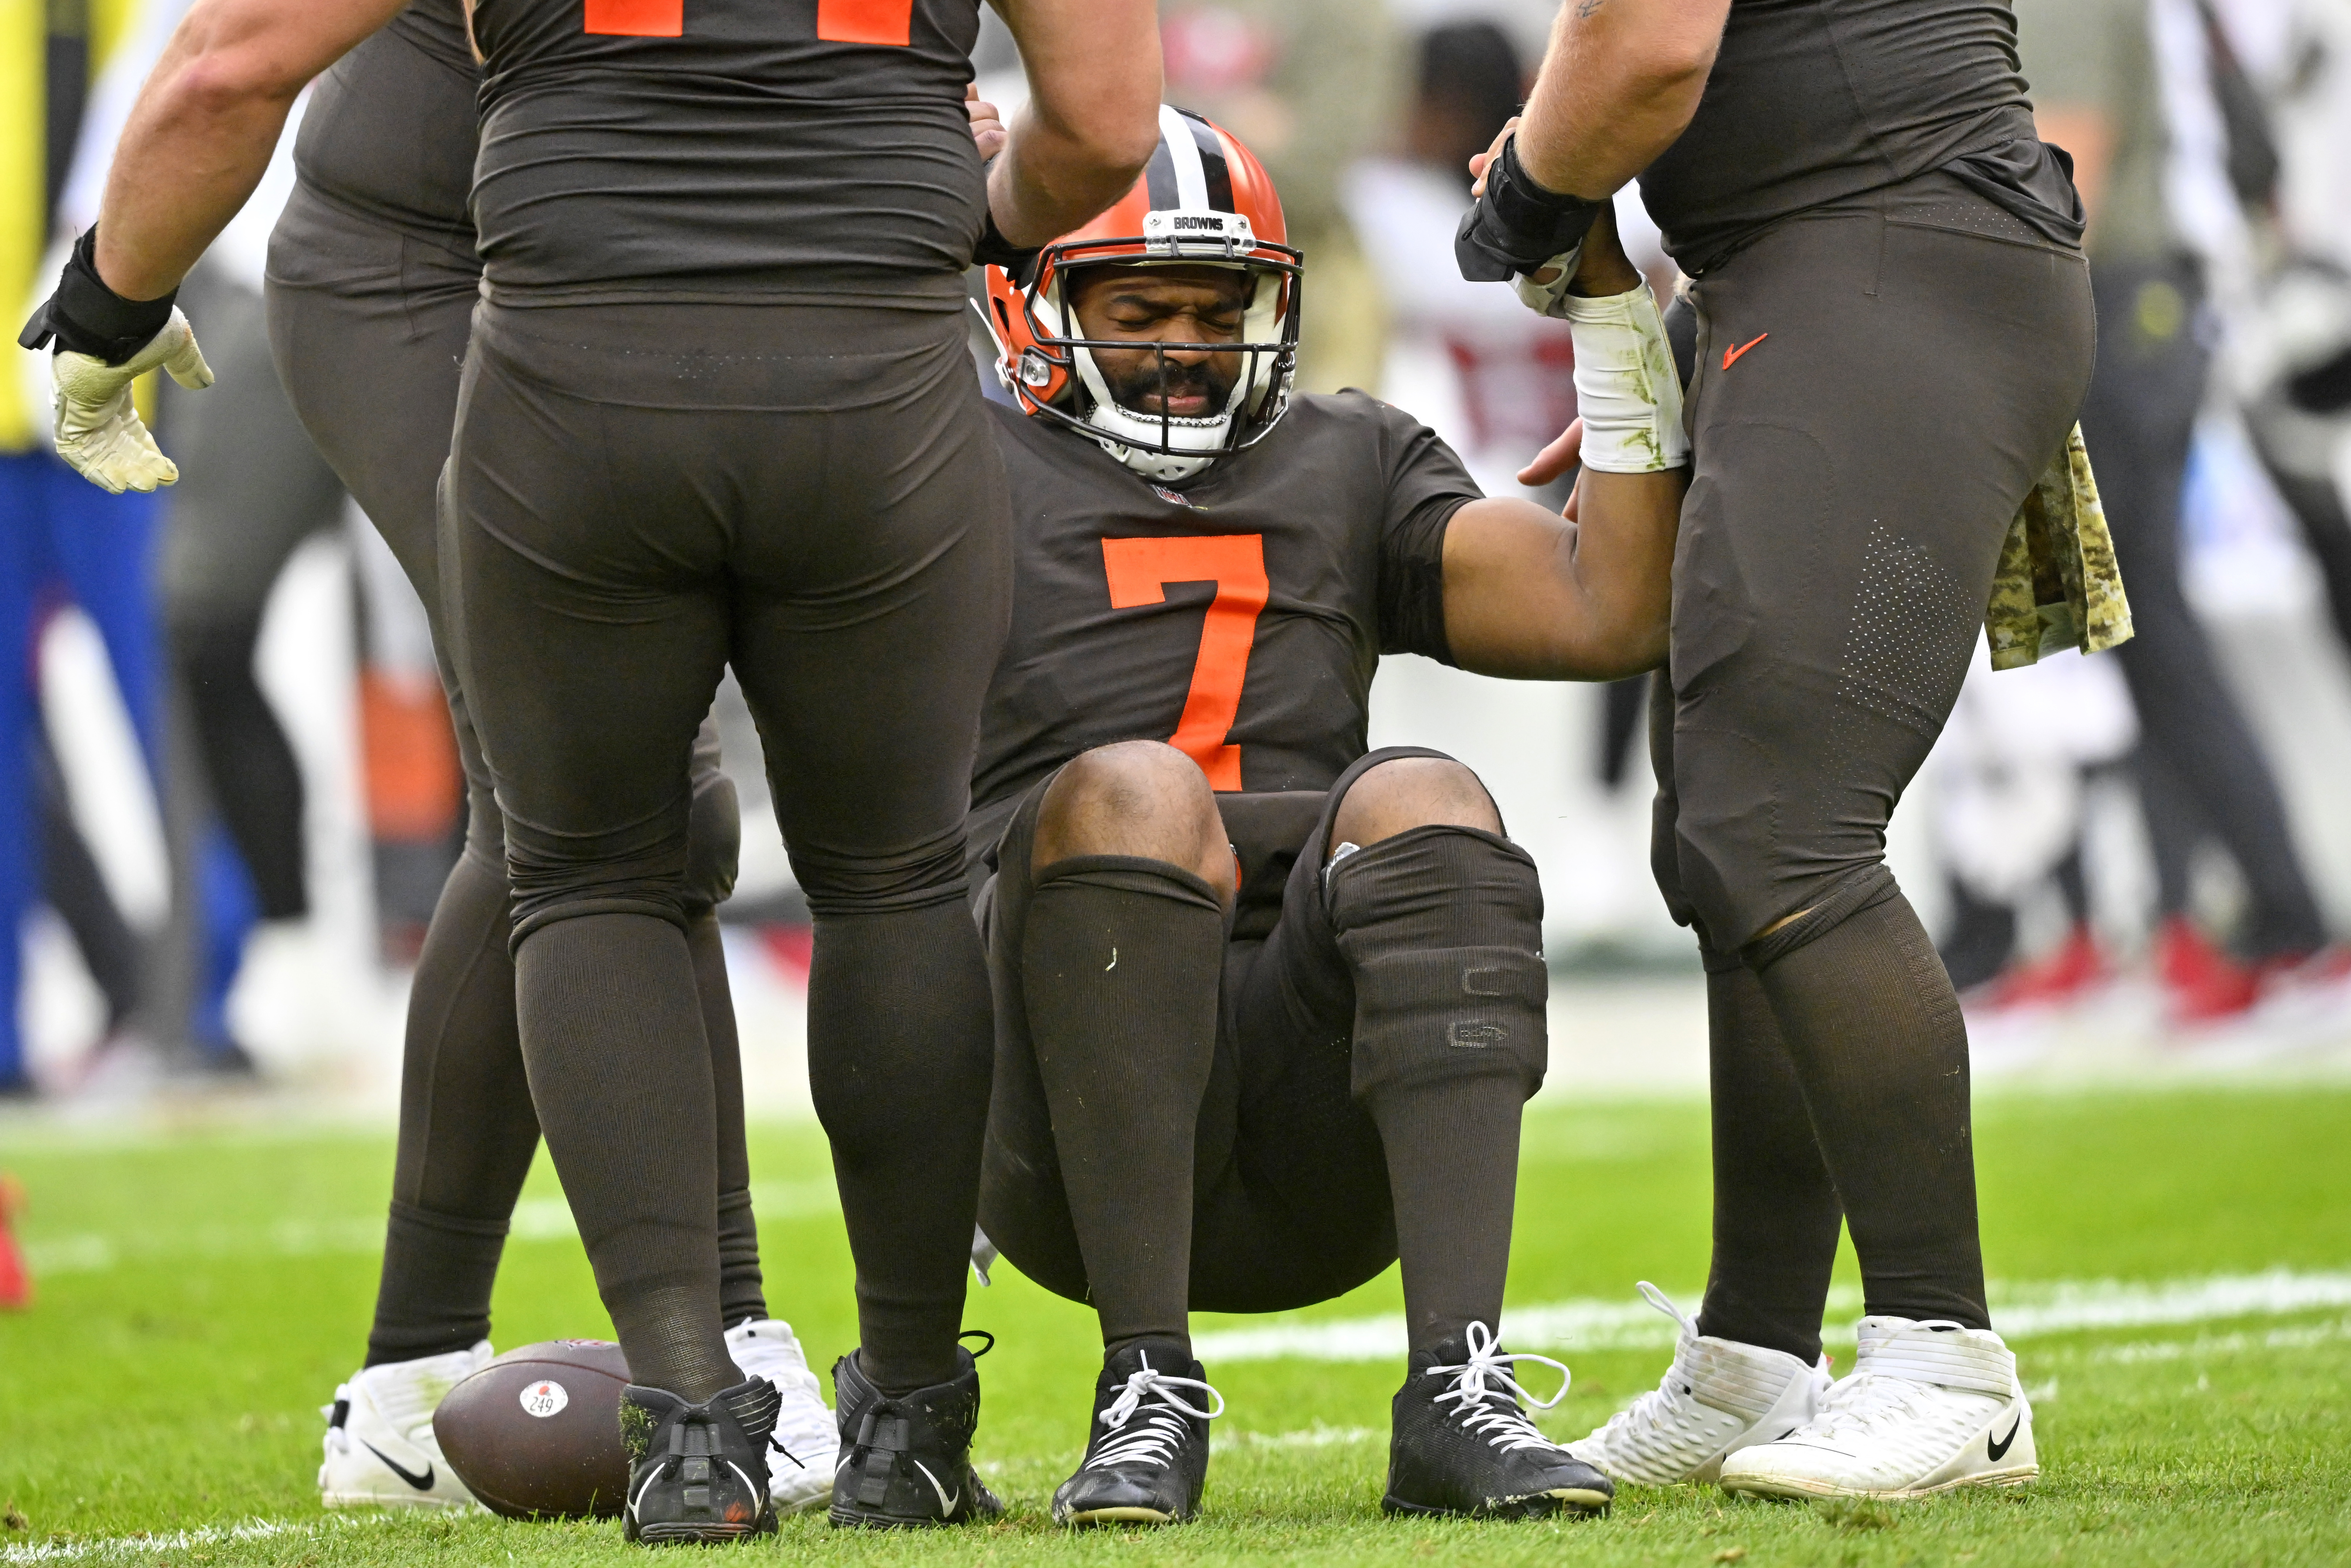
(1828, 594)
(869, 699)
(467, 1128)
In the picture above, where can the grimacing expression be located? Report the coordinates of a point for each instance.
(1182, 309)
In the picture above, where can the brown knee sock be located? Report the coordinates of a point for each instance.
(1874, 1029)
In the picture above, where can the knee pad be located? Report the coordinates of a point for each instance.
(1442, 931)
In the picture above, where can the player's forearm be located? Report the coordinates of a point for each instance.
(200, 137)
(1619, 82)
(1092, 116)
(1049, 181)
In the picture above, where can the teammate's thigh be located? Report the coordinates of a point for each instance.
(1873, 399)
(368, 327)
(871, 594)
(591, 623)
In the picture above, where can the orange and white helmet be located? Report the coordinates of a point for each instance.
(1204, 198)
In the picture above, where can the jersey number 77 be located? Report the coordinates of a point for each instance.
(1139, 571)
(837, 21)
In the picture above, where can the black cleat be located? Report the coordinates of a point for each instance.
(1462, 1446)
(1147, 1459)
(906, 1459)
(698, 1472)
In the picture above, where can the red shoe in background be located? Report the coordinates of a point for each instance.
(2203, 984)
(2064, 973)
(16, 1279)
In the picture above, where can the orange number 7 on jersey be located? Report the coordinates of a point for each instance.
(837, 21)
(1139, 572)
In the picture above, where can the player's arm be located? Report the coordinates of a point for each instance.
(196, 144)
(1587, 596)
(1092, 116)
(1620, 81)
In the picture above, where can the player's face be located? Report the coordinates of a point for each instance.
(1171, 314)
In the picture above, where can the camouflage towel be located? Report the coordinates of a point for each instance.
(2058, 586)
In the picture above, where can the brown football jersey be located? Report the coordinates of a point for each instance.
(1238, 619)
(735, 151)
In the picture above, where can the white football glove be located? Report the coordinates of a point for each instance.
(1549, 298)
(98, 430)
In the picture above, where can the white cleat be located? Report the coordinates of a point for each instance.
(1717, 1397)
(800, 1475)
(380, 1452)
(1928, 1406)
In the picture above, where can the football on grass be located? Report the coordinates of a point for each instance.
(536, 1433)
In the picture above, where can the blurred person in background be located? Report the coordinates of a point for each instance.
(1459, 354)
(1309, 85)
(254, 490)
(2113, 82)
(2010, 776)
(59, 536)
(2292, 354)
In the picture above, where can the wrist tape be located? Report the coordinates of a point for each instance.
(85, 317)
(1626, 386)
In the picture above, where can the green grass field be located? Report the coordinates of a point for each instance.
(202, 1293)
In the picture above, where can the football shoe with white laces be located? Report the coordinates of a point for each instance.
(379, 1448)
(1717, 1397)
(806, 1443)
(1928, 1406)
(1460, 1443)
(1147, 1456)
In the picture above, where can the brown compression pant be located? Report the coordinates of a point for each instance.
(368, 327)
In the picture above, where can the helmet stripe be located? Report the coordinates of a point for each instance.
(1159, 179)
(1214, 171)
(1183, 154)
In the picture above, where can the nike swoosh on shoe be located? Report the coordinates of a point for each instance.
(424, 1481)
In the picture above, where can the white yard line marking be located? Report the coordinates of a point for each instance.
(2019, 1311)
(184, 1539)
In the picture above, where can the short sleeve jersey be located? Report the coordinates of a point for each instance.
(1240, 619)
(726, 151)
(1810, 101)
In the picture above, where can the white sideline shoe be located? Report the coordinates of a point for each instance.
(1928, 1406)
(380, 1447)
(1717, 1397)
(800, 1476)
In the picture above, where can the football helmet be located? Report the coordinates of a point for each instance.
(1204, 198)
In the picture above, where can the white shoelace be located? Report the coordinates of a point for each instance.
(1158, 1428)
(1486, 1375)
(1656, 1410)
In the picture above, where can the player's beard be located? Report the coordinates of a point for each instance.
(1211, 379)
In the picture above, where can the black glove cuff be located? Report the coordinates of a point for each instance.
(85, 317)
(998, 251)
(1517, 225)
